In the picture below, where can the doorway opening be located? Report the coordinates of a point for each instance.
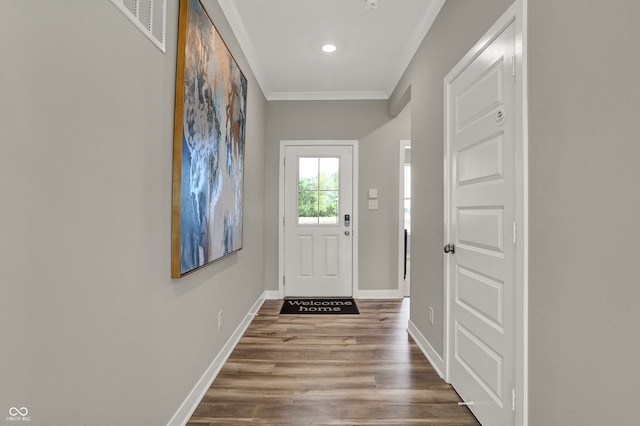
(404, 218)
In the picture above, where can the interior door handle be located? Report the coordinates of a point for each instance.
(450, 248)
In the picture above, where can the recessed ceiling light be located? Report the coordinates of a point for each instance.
(329, 48)
(371, 4)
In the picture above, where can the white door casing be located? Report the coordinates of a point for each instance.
(317, 250)
(485, 197)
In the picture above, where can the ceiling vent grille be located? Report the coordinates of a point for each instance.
(148, 15)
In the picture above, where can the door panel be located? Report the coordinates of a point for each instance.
(482, 161)
(481, 96)
(481, 228)
(481, 155)
(305, 256)
(480, 295)
(318, 242)
(480, 361)
(331, 254)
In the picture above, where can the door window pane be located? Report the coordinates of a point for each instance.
(318, 190)
(328, 211)
(308, 174)
(307, 207)
(329, 169)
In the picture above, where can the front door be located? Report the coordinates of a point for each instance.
(482, 246)
(318, 220)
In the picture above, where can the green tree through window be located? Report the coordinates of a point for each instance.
(318, 191)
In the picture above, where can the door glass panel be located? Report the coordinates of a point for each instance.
(308, 207)
(329, 169)
(308, 174)
(328, 212)
(318, 190)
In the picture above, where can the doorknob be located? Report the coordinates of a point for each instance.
(346, 233)
(450, 248)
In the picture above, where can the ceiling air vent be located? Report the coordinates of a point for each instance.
(148, 15)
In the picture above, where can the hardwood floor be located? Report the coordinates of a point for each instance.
(330, 370)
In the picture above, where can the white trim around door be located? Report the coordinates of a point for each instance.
(281, 214)
(516, 14)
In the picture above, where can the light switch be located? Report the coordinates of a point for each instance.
(373, 204)
(373, 192)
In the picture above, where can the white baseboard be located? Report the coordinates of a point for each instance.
(182, 416)
(378, 294)
(358, 294)
(272, 295)
(434, 358)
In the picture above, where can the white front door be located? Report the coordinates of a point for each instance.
(318, 220)
(481, 271)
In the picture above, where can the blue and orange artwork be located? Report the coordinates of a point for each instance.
(213, 137)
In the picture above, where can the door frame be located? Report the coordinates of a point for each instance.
(517, 14)
(281, 209)
(404, 143)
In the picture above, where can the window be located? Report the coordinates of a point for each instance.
(318, 190)
(407, 197)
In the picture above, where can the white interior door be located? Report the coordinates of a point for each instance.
(480, 113)
(318, 221)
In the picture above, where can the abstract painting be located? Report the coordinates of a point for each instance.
(208, 147)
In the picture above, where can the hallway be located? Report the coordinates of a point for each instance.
(330, 370)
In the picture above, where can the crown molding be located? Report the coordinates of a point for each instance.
(414, 43)
(326, 96)
(237, 26)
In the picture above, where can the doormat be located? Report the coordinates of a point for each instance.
(319, 306)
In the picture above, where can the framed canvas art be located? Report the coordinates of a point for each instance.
(208, 146)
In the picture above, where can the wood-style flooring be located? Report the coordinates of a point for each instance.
(330, 370)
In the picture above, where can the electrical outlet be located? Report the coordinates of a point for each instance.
(430, 315)
(220, 320)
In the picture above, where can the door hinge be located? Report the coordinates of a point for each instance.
(513, 65)
(283, 281)
(282, 220)
(515, 233)
(513, 400)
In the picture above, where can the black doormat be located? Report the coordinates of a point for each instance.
(319, 306)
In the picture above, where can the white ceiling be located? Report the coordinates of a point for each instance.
(282, 41)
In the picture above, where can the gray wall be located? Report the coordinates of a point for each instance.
(379, 136)
(584, 91)
(92, 328)
(584, 221)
